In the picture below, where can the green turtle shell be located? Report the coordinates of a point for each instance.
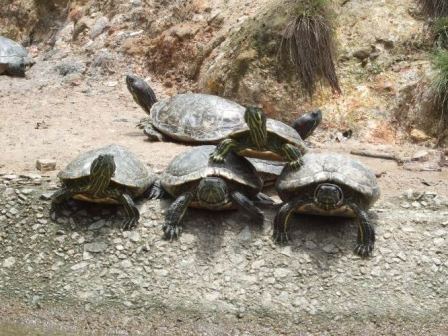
(130, 172)
(193, 165)
(332, 168)
(197, 118)
(12, 53)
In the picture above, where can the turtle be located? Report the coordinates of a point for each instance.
(13, 58)
(195, 118)
(329, 184)
(268, 170)
(110, 174)
(263, 138)
(194, 181)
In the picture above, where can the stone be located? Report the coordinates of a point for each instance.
(99, 27)
(46, 196)
(134, 236)
(363, 53)
(281, 273)
(9, 262)
(421, 155)
(97, 225)
(95, 247)
(79, 266)
(418, 135)
(45, 165)
(245, 234)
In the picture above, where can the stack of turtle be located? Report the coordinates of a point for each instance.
(323, 184)
(222, 177)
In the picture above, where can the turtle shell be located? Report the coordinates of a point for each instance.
(12, 52)
(130, 172)
(332, 168)
(275, 128)
(269, 171)
(191, 166)
(199, 118)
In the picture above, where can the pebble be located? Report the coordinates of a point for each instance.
(45, 165)
(97, 225)
(79, 266)
(95, 247)
(9, 262)
(134, 236)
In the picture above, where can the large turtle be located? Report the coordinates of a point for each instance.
(263, 138)
(196, 118)
(331, 185)
(110, 174)
(13, 58)
(196, 182)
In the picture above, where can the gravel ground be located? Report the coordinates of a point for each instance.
(224, 272)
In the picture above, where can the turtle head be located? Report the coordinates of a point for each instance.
(131, 81)
(101, 171)
(256, 121)
(212, 192)
(307, 123)
(17, 69)
(328, 196)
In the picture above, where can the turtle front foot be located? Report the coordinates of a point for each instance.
(294, 165)
(217, 158)
(129, 224)
(280, 238)
(364, 250)
(143, 122)
(171, 232)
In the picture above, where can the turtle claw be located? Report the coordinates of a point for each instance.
(280, 238)
(143, 122)
(171, 232)
(364, 250)
(217, 158)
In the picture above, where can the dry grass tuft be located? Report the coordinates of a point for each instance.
(434, 8)
(308, 44)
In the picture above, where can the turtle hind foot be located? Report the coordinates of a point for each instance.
(280, 238)
(171, 232)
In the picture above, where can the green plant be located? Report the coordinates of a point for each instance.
(440, 30)
(434, 8)
(440, 86)
(308, 44)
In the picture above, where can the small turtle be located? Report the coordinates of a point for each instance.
(196, 182)
(331, 185)
(269, 171)
(196, 118)
(13, 58)
(110, 174)
(263, 138)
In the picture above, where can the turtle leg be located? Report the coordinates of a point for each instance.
(263, 199)
(247, 205)
(131, 212)
(152, 133)
(144, 122)
(223, 149)
(174, 215)
(366, 232)
(155, 191)
(57, 198)
(293, 155)
(280, 234)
